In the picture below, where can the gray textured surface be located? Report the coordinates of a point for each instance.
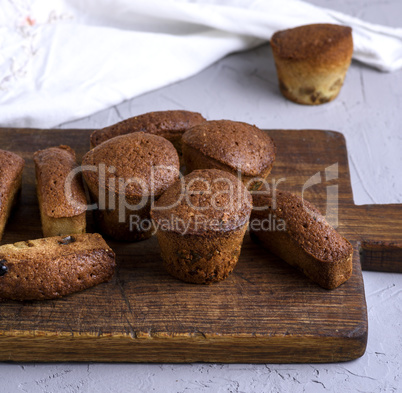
(244, 87)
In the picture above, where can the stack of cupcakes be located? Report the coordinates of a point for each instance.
(132, 173)
(200, 219)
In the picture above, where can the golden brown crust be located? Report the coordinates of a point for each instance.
(312, 61)
(147, 165)
(52, 267)
(323, 43)
(195, 160)
(11, 167)
(53, 166)
(203, 202)
(169, 124)
(201, 221)
(201, 259)
(239, 146)
(133, 156)
(299, 234)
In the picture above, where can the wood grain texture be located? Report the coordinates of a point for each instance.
(264, 312)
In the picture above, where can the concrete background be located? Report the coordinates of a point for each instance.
(243, 87)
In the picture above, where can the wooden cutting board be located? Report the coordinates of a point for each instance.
(264, 312)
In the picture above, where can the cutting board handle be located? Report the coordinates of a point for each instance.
(379, 228)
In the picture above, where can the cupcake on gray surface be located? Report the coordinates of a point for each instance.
(312, 61)
(201, 221)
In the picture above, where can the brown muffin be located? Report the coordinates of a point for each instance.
(127, 173)
(201, 221)
(54, 266)
(311, 61)
(11, 167)
(239, 148)
(169, 124)
(61, 196)
(294, 230)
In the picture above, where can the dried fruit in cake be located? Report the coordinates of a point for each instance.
(312, 61)
(53, 267)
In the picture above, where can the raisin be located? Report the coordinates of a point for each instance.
(307, 90)
(189, 256)
(67, 240)
(195, 257)
(3, 267)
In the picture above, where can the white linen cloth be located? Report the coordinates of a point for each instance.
(61, 60)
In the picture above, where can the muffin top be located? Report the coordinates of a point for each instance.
(304, 223)
(241, 146)
(147, 165)
(310, 41)
(163, 123)
(205, 201)
(53, 166)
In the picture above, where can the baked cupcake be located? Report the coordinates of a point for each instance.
(201, 221)
(169, 124)
(311, 61)
(294, 230)
(124, 175)
(61, 197)
(11, 167)
(239, 148)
